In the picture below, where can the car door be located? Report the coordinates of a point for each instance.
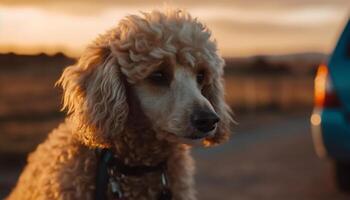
(339, 66)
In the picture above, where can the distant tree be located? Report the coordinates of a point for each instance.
(262, 66)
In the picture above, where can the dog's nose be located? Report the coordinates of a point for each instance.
(204, 121)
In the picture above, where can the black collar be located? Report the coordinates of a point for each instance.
(107, 161)
(139, 170)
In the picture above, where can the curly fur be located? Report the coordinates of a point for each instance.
(102, 99)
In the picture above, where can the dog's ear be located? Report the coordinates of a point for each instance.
(94, 97)
(214, 92)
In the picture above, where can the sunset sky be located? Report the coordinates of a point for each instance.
(241, 27)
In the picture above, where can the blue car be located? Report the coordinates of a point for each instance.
(330, 121)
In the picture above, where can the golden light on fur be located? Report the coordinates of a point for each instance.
(207, 143)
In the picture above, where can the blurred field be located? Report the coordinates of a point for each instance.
(29, 102)
(284, 93)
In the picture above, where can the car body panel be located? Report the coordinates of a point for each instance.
(336, 134)
(331, 125)
(339, 68)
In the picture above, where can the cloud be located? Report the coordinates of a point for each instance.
(186, 2)
(239, 39)
(87, 7)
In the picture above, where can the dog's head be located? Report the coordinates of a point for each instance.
(168, 61)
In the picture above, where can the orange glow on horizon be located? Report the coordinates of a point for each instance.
(34, 50)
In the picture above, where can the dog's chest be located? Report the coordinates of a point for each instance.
(146, 187)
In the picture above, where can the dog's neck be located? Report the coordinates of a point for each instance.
(138, 144)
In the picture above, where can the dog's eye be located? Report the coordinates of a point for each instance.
(200, 77)
(158, 77)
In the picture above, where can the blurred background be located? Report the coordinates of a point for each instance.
(272, 49)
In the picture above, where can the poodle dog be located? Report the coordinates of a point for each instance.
(146, 90)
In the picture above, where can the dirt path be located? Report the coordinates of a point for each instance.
(272, 160)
